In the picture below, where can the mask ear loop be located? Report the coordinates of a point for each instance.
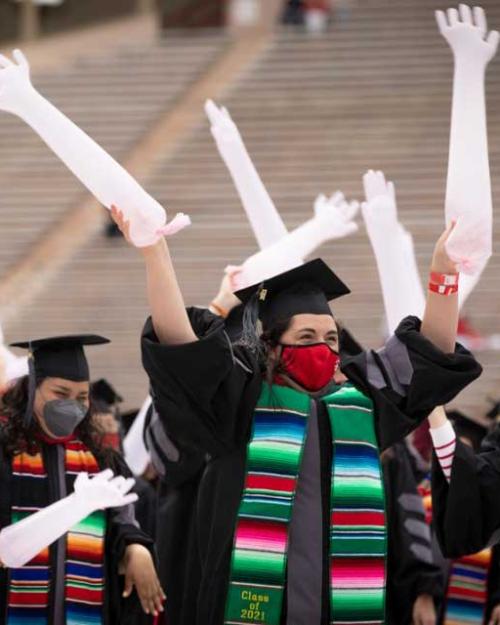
(28, 415)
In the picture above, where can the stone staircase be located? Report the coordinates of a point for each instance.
(316, 113)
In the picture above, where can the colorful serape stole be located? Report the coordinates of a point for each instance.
(468, 589)
(29, 588)
(358, 539)
(258, 567)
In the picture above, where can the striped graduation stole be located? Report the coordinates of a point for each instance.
(468, 589)
(358, 537)
(29, 586)
(358, 540)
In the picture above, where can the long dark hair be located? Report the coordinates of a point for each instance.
(16, 437)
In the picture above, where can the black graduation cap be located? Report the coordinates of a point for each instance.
(61, 356)
(306, 289)
(467, 427)
(104, 394)
(57, 357)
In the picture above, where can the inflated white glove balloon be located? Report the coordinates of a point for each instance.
(136, 455)
(264, 219)
(468, 192)
(15, 366)
(393, 248)
(22, 541)
(108, 181)
(333, 219)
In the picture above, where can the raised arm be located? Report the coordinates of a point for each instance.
(393, 249)
(468, 190)
(100, 173)
(168, 312)
(262, 214)
(333, 219)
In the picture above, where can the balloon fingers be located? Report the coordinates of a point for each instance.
(103, 476)
(5, 62)
(21, 60)
(128, 499)
(465, 13)
(441, 21)
(493, 39)
(480, 19)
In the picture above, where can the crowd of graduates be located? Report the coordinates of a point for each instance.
(278, 472)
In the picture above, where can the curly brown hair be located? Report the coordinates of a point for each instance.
(16, 438)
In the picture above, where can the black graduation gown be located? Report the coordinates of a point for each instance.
(205, 392)
(412, 566)
(467, 510)
(122, 531)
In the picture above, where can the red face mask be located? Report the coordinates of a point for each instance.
(311, 366)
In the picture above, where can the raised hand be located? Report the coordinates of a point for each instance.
(393, 249)
(380, 205)
(335, 215)
(466, 30)
(262, 214)
(104, 490)
(223, 129)
(468, 189)
(15, 82)
(106, 179)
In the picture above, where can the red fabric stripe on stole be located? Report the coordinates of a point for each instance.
(357, 572)
(254, 529)
(79, 459)
(463, 593)
(26, 598)
(42, 559)
(353, 517)
(270, 482)
(84, 595)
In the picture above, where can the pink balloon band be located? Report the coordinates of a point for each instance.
(178, 223)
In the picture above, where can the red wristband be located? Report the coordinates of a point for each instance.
(445, 279)
(443, 289)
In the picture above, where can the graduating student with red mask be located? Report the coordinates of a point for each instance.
(283, 521)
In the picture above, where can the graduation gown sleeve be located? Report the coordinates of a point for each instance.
(467, 510)
(413, 569)
(407, 378)
(122, 530)
(205, 391)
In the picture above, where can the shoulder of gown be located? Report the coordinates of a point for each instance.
(406, 378)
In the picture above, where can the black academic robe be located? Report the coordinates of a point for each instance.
(205, 392)
(467, 510)
(122, 530)
(413, 567)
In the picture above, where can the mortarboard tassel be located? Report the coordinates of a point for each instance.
(28, 415)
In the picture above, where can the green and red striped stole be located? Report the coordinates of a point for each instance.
(29, 586)
(357, 532)
(467, 592)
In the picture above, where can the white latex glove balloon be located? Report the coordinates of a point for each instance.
(136, 455)
(262, 214)
(22, 541)
(468, 192)
(333, 219)
(102, 175)
(15, 366)
(393, 248)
